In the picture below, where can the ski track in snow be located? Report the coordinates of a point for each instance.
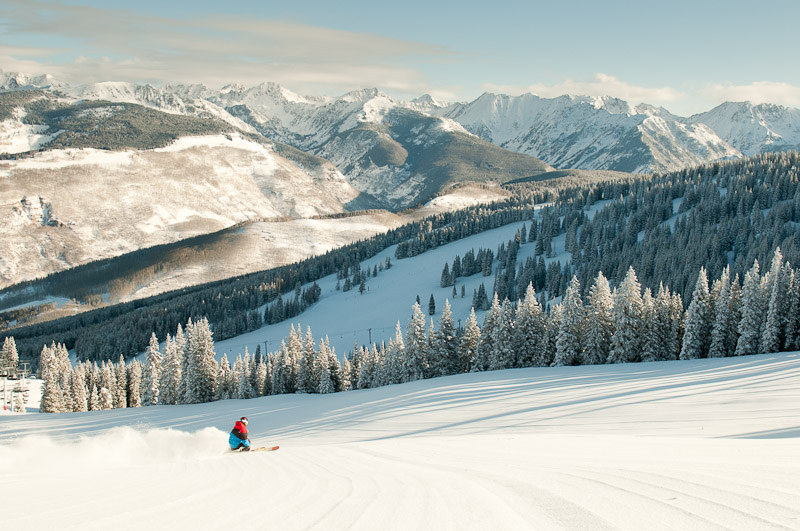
(704, 444)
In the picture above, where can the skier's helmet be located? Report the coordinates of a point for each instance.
(244, 420)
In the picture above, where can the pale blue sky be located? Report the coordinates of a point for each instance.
(686, 56)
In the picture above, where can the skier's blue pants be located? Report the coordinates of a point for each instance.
(235, 442)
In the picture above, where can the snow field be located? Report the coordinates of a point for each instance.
(703, 444)
(347, 317)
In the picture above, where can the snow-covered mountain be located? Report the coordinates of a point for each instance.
(388, 149)
(590, 133)
(754, 129)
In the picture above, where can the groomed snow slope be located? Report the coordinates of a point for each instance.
(702, 444)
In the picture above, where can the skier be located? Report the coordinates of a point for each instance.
(238, 438)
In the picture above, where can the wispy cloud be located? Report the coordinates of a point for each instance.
(601, 85)
(116, 44)
(757, 92)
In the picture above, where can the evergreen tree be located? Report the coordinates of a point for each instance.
(503, 355)
(699, 321)
(416, 346)
(326, 384)
(224, 380)
(52, 400)
(627, 321)
(135, 384)
(446, 343)
(307, 370)
(80, 401)
(599, 321)
(169, 385)
(152, 373)
(772, 338)
(121, 377)
(486, 347)
(752, 309)
(94, 399)
(721, 326)
(469, 344)
(9, 358)
(202, 366)
(569, 343)
(431, 306)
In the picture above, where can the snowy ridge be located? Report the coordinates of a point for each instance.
(670, 445)
(161, 99)
(590, 133)
(220, 181)
(754, 129)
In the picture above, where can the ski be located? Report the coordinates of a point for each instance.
(259, 449)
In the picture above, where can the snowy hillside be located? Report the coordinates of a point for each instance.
(71, 206)
(702, 444)
(350, 317)
(754, 129)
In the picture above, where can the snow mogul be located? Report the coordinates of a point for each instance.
(238, 439)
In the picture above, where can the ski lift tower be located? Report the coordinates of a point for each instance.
(14, 385)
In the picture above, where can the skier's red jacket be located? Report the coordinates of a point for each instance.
(240, 430)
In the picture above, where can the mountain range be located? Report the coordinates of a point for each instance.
(98, 170)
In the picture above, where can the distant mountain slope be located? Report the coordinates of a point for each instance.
(70, 206)
(754, 129)
(589, 133)
(386, 148)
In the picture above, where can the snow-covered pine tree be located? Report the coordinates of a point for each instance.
(416, 346)
(699, 321)
(366, 376)
(721, 326)
(294, 351)
(182, 344)
(169, 386)
(152, 373)
(734, 315)
(773, 336)
(503, 355)
(135, 384)
(393, 360)
(569, 343)
(242, 369)
(9, 357)
(485, 352)
(261, 376)
(108, 381)
(626, 340)
(337, 377)
(52, 400)
(553, 325)
(202, 376)
(94, 399)
(280, 379)
(326, 384)
(752, 309)
(446, 343)
(121, 379)
(307, 370)
(650, 345)
(80, 401)
(346, 372)
(223, 378)
(469, 343)
(599, 321)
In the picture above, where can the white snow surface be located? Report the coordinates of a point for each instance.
(703, 444)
